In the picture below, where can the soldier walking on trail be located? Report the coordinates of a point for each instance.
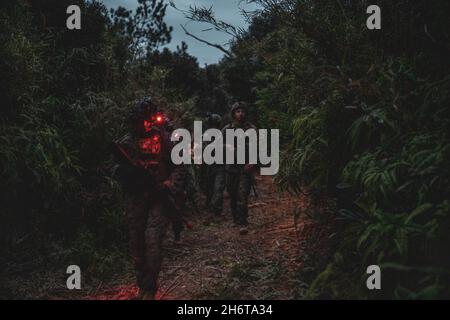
(239, 177)
(214, 175)
(153, 188)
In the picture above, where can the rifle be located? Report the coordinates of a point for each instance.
(253, 180)
(255, 192)
(174, 201)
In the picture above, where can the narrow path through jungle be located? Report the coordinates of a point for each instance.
(214, 261)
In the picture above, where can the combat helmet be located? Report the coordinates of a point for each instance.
(213, 119)
(142, 109)
(238, 105)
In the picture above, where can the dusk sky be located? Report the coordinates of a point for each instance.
(227, 10)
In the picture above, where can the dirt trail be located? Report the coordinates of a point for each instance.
(215, 262)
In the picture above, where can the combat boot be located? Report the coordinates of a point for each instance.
(243, 230)
(145, 295)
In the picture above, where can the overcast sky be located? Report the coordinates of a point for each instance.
(226, 10)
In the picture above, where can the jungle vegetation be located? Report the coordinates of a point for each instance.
(365, 109)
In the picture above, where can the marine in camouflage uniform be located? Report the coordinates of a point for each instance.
(239, 177)
(192, 188)
(214, 174)
(153, 188)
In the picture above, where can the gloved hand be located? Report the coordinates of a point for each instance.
(168, 185)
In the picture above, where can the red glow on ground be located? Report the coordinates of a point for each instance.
(127, 293)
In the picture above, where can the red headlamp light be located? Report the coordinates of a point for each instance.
(157, 119)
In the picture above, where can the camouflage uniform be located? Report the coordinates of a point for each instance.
(215, 186)
(239, 181)
(192, 188)
(214, 174)
(239, 185)
(153, 189)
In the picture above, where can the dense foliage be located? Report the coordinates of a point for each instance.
(368, 109)
(357, 108)
(64, 96)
